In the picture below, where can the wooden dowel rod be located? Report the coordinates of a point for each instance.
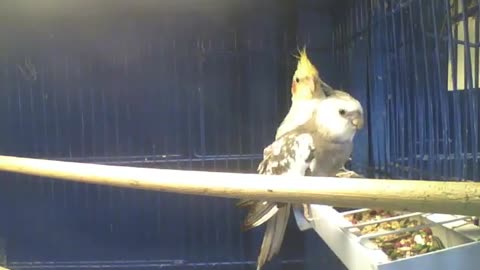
(461, 198)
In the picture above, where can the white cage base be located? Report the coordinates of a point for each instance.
(357, 252)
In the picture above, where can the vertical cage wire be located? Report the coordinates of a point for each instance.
(135, 93)
(201, 88)
(424, 91)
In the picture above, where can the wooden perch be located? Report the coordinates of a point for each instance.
(461, 198)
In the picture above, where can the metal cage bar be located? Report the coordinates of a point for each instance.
(425, 130)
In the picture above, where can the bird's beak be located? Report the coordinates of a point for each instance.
(356, 118)
(358, 123)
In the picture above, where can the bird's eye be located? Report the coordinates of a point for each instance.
(342, 112)
(297, 80)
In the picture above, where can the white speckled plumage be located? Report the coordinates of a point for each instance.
(313, 139)
(321, 145)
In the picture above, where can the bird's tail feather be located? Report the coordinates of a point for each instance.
(273, 236)
(258, 213)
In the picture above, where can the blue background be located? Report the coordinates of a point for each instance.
(203, 85)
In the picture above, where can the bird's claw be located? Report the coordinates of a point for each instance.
(348, 174)
(307, 212)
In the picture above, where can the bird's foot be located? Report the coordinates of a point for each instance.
(348, 174)
(307, 213)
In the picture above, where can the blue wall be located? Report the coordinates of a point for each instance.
(174, 84)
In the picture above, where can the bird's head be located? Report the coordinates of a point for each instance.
(339, 116)
(306, 83)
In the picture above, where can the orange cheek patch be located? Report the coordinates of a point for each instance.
(294, 88)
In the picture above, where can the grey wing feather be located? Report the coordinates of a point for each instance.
(273, 236)
(276, 162)
(293, 153)
(327, 89)
(259, 213)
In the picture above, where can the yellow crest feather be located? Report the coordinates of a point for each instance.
(304, 66)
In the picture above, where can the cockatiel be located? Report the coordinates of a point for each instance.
(307, 89)
(323, 143)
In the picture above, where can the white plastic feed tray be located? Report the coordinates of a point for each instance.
(357, 252)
